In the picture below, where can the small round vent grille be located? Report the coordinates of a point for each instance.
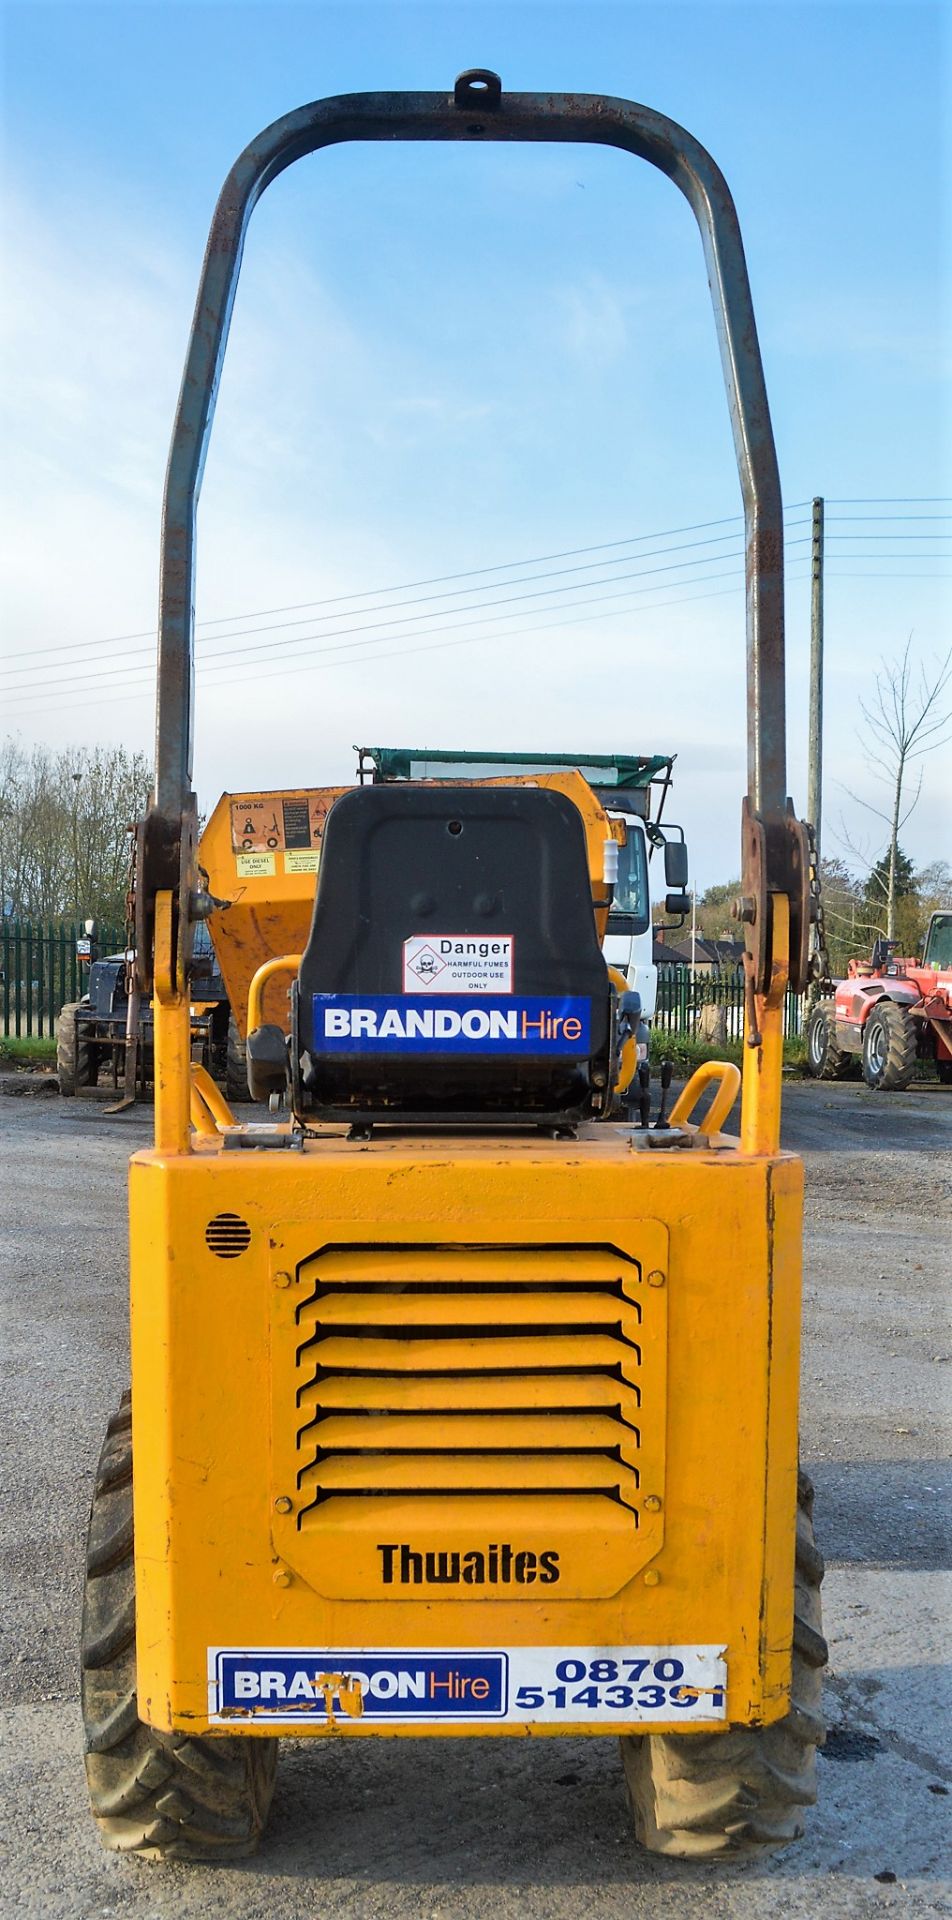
(227, 1235)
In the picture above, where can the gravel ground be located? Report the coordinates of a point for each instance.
(486, 1828)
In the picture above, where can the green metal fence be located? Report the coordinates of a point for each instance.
(681, 996)
(40, 973)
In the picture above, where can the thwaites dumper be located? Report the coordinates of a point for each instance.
(457, 1408)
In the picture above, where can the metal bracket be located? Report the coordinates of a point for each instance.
(775, 858)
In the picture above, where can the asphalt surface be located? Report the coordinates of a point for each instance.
(496, 1828)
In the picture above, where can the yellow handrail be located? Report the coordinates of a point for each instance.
(729, 1077)
(629, 1054)
(286, 963)
(207, 1104)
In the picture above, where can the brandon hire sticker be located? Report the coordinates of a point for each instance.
(522, 1024)
(572, 1685)
(458, 963)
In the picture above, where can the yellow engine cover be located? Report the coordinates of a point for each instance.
(522, 1410)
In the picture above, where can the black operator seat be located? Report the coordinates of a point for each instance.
(453, 964)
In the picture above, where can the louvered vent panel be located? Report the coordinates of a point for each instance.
(503, 1371)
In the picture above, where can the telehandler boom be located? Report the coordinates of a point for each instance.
(458, 1408)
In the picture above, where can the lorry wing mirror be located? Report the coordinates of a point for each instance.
(675, 865)
(677, 903)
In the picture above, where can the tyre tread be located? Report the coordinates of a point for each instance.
(725, 1795)
(161, 1796)
(901, 1047)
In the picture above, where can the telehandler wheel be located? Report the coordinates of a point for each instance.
(944, 1070)
(889, 1048)
(826, 1059)
(77, 1064)
(159, 1795)
(236, 1066)
(725, 1795)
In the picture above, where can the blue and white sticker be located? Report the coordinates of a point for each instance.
(459, 1024)
(625, 1686)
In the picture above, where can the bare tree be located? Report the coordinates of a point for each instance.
(904, 721)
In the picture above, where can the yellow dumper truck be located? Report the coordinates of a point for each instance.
(457, 1408)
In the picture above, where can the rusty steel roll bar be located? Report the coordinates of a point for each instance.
(477, 108)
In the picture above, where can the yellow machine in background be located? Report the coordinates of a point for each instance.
(458, 1408)
(260, 855)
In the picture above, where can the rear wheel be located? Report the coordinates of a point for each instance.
(944, 1070)
(236, 1068)
(164, 1796)
(724, 1795)
(77, 1064)
(826, 1059)
(889, 1048)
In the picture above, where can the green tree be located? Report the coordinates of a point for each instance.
(64, 820)
(876, 890)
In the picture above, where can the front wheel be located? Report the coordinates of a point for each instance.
(77, 1063)
(944, 1070)
(163, 1796)
(889, 1048)
(742, 1792)
(236, 1069)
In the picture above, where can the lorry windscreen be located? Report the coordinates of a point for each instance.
(630, 908)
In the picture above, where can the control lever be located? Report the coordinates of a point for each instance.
(663, 1124)
(644, 1094)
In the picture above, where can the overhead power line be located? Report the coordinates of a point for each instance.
(243, 633)
(891, 500)
(88, 647)
(368, 593)
(248, 674)
(221, 660)
(262, 648)
(399, 653)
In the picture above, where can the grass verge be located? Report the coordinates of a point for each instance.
(687, 1052)
(20, 1050)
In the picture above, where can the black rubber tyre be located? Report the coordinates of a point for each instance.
(826, 1059)
(944, 1070)
(161, 1796)
(889, 1048)
(236, 1067)
(729, 1795)
(77, 1064)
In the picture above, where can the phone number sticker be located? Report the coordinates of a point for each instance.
(641, 1684)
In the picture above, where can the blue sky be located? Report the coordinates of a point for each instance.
(446, 359)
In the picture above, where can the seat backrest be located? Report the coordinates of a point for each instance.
(453, 963)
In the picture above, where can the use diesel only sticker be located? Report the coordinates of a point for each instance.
(572, 1685)
(458, 963)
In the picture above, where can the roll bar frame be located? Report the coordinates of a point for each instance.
(477, 108)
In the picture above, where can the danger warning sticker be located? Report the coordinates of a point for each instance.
(458, 963)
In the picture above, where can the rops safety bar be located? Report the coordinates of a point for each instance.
(774, 858)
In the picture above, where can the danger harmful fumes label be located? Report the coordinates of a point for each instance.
(458, 963)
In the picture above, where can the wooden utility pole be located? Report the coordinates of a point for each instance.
(820, 959)
(815, 754)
